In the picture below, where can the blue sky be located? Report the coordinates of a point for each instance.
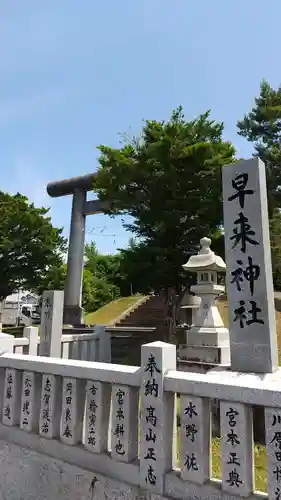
(75, 74)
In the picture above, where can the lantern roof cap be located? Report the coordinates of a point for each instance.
(205, 260)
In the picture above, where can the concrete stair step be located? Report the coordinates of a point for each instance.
(150, 313)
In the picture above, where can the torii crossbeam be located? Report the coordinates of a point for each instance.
(78, 188)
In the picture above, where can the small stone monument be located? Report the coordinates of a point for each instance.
(51, 323)
(207, 341)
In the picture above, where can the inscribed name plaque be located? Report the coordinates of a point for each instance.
(236, 448)
(252, 328)
(195, 438)
(30, 401)
(97, 416)
(124, 429)
(273, 450)
(157, 411)
(72, 410)
(12, 397)
(49, 422)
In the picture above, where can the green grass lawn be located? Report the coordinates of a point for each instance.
(111, 311)
(17, 331)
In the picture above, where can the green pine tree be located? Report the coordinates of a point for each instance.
(262, 127)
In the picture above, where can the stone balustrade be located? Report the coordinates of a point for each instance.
(121, 421)
(93, 346)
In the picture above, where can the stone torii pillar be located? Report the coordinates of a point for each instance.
(78, 188)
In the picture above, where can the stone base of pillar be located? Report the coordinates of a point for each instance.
(215, 355)
(73, 315)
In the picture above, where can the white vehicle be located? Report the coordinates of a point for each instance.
(30, 310)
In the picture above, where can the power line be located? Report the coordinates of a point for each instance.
(106, 235)
(94, 232)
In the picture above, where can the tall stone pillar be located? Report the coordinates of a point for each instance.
(73, 312)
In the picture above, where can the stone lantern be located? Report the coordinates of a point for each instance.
(207, 341)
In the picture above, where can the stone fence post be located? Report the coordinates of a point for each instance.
(104, 344)
(157, 415)
(51, 323)
(31, 333)
(6, 343)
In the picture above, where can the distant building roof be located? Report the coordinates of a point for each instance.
(22, 296)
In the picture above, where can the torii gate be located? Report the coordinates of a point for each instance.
(78, 187)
